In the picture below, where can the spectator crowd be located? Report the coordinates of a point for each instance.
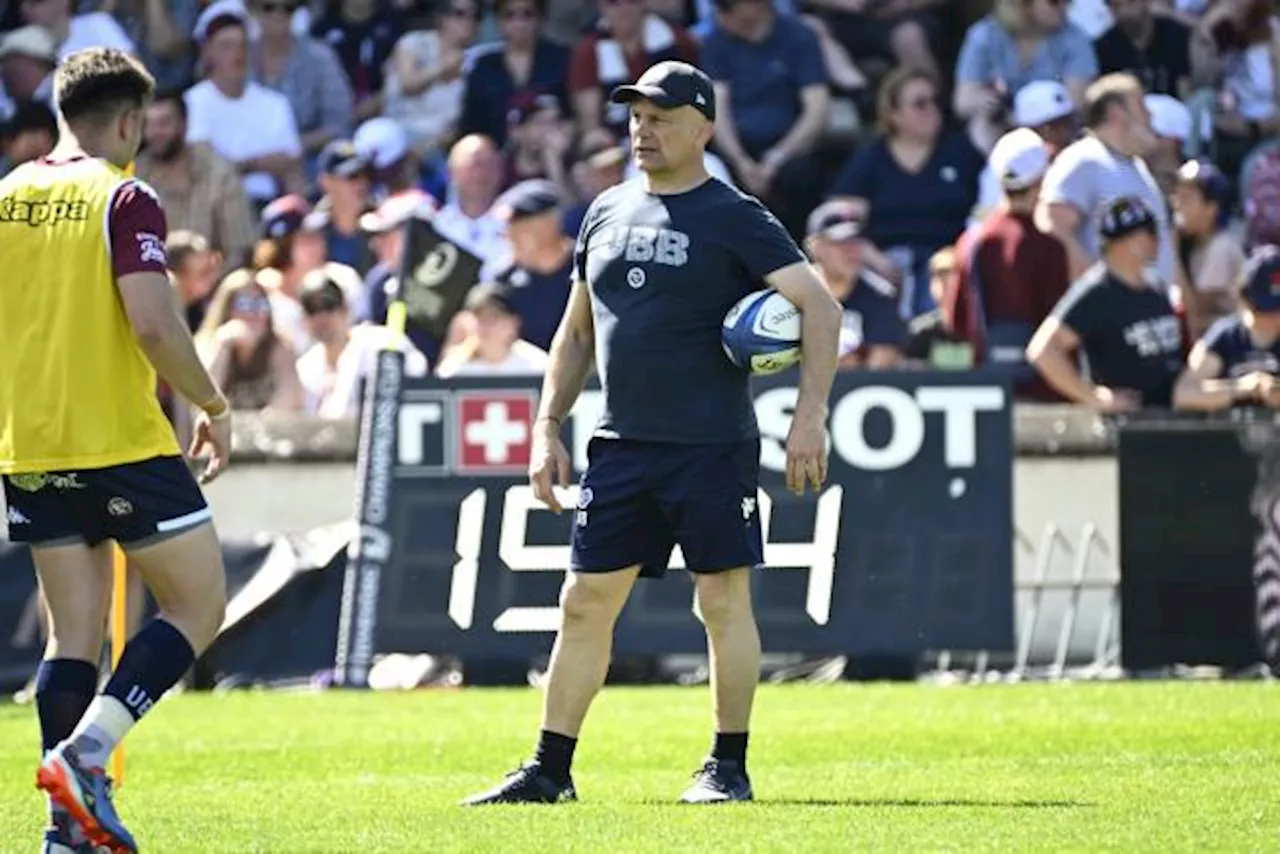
(1065, 189)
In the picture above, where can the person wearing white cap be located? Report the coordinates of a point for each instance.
(1008, 274)
(1171, 121)
(1046, 107)
(247, 123)
(27, 59)
(384, 143)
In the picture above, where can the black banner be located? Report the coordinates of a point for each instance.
(908, 548)
(1197, 500)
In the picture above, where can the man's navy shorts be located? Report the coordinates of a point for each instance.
(638, 500)
(132, 503)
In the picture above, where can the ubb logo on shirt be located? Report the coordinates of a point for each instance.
(1153, 337)
(643, 243)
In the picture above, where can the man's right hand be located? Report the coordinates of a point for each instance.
(548, 463)
(212, 433)
(1116, 399)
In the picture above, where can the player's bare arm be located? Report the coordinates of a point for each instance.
(820, 343)
(1062, 220)
(165, 339)
(1050, 352)
(569, 362)
(1201, 388)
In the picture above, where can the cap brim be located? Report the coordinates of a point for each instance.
(841, 231)
(371, 223)
(631, 93)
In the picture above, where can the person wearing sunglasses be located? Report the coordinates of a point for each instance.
(425, 78)
(304, 70)
(1126, 328)
(244, 354)
(528, 65)
(334, 368)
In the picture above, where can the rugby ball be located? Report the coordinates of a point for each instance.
(761, 334)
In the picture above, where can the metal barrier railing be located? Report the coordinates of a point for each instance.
(1093, 568)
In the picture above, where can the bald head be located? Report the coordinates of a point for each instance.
(475, 170)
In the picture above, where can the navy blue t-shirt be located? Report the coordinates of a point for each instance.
(926, 209)
(663, 271)
(1230, 341)
(765, 78)
(871, 313)
(539, 299)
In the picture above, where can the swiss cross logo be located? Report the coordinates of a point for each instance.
(494, 431)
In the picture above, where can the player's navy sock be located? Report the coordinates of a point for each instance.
(730, 746)
(151, 664)
(555, 754)
(64, 689)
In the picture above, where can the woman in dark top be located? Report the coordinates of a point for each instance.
(1120, 321)
(915, 185)
(519, 68)
(1237, 362)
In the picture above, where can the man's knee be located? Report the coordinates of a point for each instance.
(186, 577)
(593, 600)
(723, 597)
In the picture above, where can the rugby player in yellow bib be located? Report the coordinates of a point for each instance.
(87, 319)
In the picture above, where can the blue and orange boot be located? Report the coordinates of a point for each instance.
(85, 793)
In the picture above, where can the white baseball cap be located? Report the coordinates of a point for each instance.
(1170, 117)
(382, 141)
(1041, 102)
(1019, 159)
(33, 41)
(224, 9)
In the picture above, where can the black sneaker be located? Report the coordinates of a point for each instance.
(718, 781)
(526, 785)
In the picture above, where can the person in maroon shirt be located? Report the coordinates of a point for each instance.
(628, 39)
(1008, 274)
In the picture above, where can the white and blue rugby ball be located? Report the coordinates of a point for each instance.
(761, 334)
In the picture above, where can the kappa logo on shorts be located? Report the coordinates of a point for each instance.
(748, 507)
(119, 507)
(494, 432)
(17, 517)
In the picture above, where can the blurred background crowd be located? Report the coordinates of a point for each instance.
(291, 142)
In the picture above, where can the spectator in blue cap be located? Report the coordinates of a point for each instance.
(344, 182)
(1237, 361)
(1211, 255)
(541, 267)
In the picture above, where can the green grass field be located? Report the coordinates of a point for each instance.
(1100, 767)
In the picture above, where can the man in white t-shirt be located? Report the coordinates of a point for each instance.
(248, 124)
(494, 348)
(333, 369)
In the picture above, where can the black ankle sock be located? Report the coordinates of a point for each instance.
(730, 746)
(555, 754)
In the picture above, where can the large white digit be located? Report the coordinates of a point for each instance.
(818, 556)
(519, 556)
(411, 419)
(466, 572)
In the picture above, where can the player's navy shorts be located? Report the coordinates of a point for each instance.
(638, 500)
(134, 504)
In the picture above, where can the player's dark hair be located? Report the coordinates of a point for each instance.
(94, 85)
(1109, 90)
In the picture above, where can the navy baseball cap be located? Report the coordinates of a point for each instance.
(834, 220)
(340, 159)
(671, 84)
(528, 198)
(1208, 178)
(1124, 216)
(1262, 279)
(283, 217)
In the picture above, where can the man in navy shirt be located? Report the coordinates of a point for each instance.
(537, 280)
(1237, 362)
(675, 457)
(871, 331)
